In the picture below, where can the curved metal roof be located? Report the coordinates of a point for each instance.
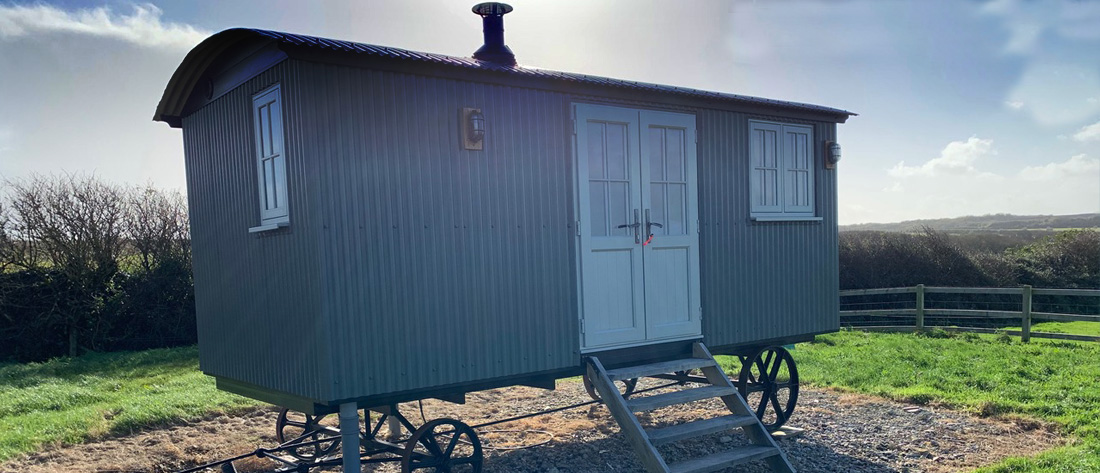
(194, 66)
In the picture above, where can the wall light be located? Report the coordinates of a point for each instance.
(832, 154)
(473, 129)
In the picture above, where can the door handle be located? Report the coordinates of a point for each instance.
(649, 225)
(637, 224)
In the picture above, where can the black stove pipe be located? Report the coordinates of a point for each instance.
(494, 50)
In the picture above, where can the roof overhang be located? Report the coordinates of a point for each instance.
(198, 66)
(226, 59)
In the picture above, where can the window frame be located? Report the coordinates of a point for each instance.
(781, 209)
(274, 184)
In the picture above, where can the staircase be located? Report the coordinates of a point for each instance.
(761, 447)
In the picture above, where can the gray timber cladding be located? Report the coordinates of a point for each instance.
(411, 264)
(442, 266)
(761, 280)
(258, 298)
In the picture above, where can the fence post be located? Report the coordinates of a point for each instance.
(1025, 326)
(920, 307)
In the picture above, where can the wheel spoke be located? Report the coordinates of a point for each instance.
(451, 445)
(774, 398)
(775, 369)
(764, 368)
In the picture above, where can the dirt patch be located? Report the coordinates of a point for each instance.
(843, 432)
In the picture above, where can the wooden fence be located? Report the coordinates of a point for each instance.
(921, 311)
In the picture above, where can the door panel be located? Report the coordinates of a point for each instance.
(671, 259)
(609, 175)
(636, 166)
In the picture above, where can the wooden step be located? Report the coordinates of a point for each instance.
(684, 396)
(698, 428)
(631, 372)
(722, 460)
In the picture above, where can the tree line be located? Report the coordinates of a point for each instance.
(872, 259)
(87, 265)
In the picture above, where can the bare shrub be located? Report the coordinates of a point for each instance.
(72, 228)
(157, 226)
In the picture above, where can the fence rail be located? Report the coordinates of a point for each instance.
(920, 311)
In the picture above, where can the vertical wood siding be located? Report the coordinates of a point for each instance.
(257, 296)
(761, 280)
(441, 265)
(411, 263)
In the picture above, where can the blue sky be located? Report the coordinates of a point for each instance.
(966, 108)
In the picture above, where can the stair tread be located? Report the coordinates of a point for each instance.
(649, 403)
(663, 367)
(698, 428)
(725, 459)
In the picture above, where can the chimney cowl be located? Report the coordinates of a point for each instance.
(492, 18)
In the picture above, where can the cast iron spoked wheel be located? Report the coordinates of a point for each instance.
(297, 427)
(628, 387)
(442, 446)
(769, 384)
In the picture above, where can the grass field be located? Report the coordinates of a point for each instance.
(1075, 328)
(986, 375)
(73, 400)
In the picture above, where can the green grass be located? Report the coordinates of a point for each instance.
(67, 401)
(1074, 328)
(986, 375)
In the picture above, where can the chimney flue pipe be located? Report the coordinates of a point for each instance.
(492, 18)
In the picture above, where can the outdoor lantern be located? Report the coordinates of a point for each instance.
(476, 126)
(832, 154)
(473, 125)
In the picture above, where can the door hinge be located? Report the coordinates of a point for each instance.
(700, 313)
(574, 127)
(698, 228)
(578, 222)
(696, 136)
(582, 326)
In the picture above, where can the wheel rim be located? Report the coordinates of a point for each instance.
(295, 427)
(628, 388)
(769, 384)
(442, 445)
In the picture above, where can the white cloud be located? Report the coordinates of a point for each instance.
(1066, 187)
(1076, 166)
(957, 158)
(1029, 21)
(1053, 91)
(142, 27)
(895, 187)
(1088, 133)
(1015, 105)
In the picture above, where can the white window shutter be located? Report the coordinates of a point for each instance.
(798, 170)
(765, 180)
(267, 112)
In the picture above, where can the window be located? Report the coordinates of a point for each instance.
(781, 177)
(267, 114)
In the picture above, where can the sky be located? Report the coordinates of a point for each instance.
(965, 107)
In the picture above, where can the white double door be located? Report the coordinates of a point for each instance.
(636, 178)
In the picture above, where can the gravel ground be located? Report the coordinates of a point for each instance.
(843, 432)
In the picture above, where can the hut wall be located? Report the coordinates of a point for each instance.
(441, 266)
(257, 295)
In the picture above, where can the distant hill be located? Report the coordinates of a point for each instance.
(985, 223)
